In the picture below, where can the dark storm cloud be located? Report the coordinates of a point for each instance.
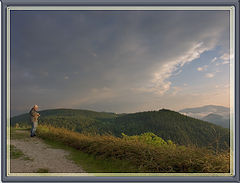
(94, 58)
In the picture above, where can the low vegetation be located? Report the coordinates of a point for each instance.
(94, 164)
(148, 152)
(21, 135)
(17, 153)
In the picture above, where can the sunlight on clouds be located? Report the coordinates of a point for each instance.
(209, 75)
(225, 62)
(200, 69)
(159, 84)
(213, 60)
(203, 68)
(225, 59)
(225, 56)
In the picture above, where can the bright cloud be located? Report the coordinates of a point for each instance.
(209, 75)
(160, 83)
(213, 60)
(200, 69)
(203, 68)
(225, 57)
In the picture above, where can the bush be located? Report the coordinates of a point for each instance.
(148, 151)
(149, 138)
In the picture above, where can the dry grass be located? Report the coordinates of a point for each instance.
(151, 158)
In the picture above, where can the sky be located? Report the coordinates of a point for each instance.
(119, 61)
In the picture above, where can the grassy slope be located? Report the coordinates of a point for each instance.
(145, 157)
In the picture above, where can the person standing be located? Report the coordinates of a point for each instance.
(34, 119)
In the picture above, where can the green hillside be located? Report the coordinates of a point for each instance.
(172, 125)
(164, 123)
(84, 121)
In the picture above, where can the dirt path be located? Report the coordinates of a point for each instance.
(40, 157)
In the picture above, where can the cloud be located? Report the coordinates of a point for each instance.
(200, 69)
(132, 53)
(209, 75)
(225, 57)
(213, 60)
(203, 68)
(225, 62)
(160, 84)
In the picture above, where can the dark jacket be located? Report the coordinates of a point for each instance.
(34, 115)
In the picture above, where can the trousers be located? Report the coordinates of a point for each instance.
(34, 128)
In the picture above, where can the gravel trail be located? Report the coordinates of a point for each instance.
(42, 157)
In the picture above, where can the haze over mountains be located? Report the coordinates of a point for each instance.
(218, 115)
(167, 124)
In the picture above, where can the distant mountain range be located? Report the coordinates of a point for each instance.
(167, 124)
(218, 115)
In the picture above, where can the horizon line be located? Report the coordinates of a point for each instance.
(92, 110)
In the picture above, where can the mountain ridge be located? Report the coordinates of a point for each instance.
(215, 114)
(169, 125)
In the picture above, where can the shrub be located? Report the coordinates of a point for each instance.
(149, 152)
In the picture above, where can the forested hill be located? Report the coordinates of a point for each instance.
(172, 125)
(73, 119)
(167, 124)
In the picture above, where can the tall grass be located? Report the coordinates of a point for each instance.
(146, 156)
